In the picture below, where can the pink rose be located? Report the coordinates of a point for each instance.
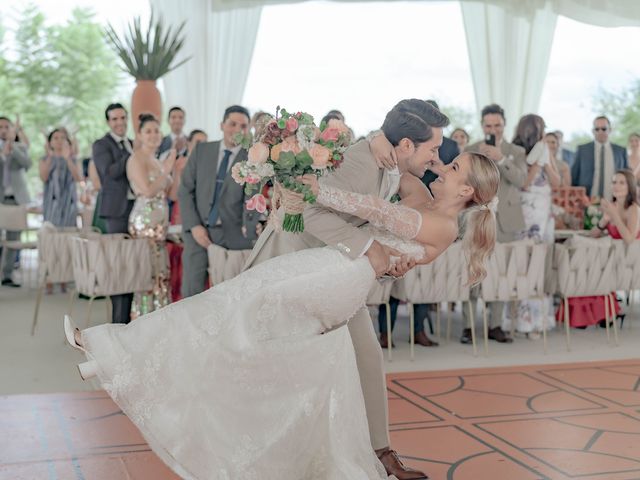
(257, 203)
(236, 175)
(275, 152)
(258, 154)
(252, 179)
(320, 155)
(292, 124)
(330, 134)
(290, 144)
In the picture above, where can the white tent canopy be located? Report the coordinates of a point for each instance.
(509, 45)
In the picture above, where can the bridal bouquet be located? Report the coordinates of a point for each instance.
(288, 147)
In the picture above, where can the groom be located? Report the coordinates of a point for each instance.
(414, 128)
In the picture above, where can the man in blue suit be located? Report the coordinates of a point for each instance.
(596, 162)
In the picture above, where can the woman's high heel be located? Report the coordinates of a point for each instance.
(88, 369)
(69, 333)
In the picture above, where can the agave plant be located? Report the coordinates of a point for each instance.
(147, 56)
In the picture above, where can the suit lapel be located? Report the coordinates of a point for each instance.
(242, 155)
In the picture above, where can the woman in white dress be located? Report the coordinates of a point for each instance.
(256, 377)
(532, 316)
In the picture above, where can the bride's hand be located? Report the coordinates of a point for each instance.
(383, 152)
(311, 181)
(400, 267)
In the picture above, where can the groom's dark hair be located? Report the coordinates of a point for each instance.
(414, 119)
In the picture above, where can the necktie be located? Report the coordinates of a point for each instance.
(601, 180)
(222, 174)
(122, 147)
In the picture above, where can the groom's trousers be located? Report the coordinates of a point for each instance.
(371, 369)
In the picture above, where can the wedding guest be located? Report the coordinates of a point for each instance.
(461, 137)
(597, 161)
(176, 138)
(14, 162)
(561, 166)
(634, 154)
(110, 155)
(511, 161)
(212, 204)
(563, 152)
(59, 173)
(621, 220)
(150, 180)
(175, 249)
(532, 316)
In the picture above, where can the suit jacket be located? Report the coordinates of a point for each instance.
(19, 163)
(568, 156)
(513, 175)
(196, 197)
(584, 164)
(447, 152)
(165, 144)
(111, 163)
(323, 226)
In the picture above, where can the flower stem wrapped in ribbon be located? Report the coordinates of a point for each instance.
(290, 146)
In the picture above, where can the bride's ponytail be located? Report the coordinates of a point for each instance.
(480, 232)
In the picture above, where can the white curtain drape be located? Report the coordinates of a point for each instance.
(509, 54)
(220, 45)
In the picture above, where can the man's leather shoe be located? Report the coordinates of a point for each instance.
(466, 337)
(498, 335)
(384, 342)
(393, 466)
(422, 339)
(7, 282)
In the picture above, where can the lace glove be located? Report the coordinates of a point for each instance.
(403, 222)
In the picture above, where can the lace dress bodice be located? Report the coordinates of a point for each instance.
(411, 248)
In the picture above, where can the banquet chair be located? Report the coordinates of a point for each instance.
(586, 267)
(443, 280)
(54, 262)
(515, 272)
(14, 218)
(113, 264)
(225, 264)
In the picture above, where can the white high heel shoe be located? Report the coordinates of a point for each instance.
(69, 333)
(88, 369)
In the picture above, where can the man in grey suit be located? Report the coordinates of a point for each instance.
(414, 128)
(212, 204)
(512, 163)
(14, 162)
(596, 162)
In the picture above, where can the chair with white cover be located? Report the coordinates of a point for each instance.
(380, 294)
(225, 264)
(114, 264)
(443, 280)
(54, 261)
(627, 261)
(13, 218)
(515, 272)
(586, 267)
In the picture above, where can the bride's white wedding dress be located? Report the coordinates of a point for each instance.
(256, 377)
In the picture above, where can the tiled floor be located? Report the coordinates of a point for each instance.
(571, 421)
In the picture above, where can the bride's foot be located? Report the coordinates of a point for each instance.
(72, 334)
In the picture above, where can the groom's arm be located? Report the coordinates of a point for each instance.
(356, 174)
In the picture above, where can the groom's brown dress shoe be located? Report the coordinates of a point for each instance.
(393, 466)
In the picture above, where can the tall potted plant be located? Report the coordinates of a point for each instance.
(147, 56)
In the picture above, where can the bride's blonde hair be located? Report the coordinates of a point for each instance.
(480, 233)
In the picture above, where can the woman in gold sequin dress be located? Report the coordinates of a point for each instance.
(149, 218)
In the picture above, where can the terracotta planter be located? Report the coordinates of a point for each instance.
(145, 99)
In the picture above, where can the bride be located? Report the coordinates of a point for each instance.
(256, 377)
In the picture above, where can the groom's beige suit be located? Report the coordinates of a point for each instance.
(359, 173)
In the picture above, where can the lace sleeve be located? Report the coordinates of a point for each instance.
(402, 221)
